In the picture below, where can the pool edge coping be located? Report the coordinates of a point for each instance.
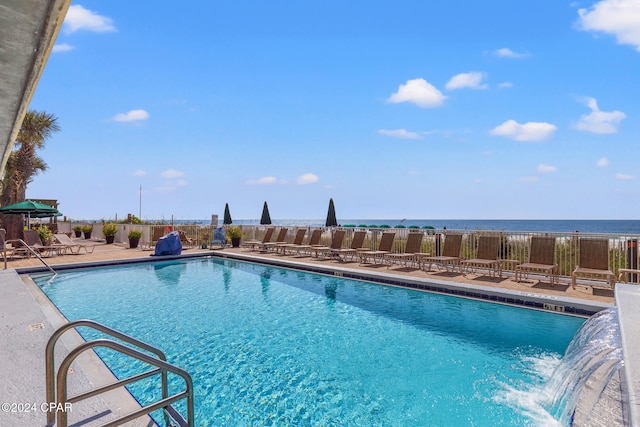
(530, 300)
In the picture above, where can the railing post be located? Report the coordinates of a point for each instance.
(632, 258)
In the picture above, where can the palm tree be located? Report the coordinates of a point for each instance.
(23, 162)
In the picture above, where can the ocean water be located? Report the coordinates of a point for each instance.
(550, 225)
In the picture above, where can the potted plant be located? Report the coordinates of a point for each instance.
(46, 235)
(109, 230)
(87, 229)
(78, 230)
(134, 238)
(234, 233)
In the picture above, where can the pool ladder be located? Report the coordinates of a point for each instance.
(56, 385)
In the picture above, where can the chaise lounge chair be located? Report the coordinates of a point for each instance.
(336, 243)
(3, 246)
(450, 253)
(67, 245)
(157, 231)
(33, 245)
(187, 242)
(356, 243)
(297, 241)
(282, 234)
(15, 250)
(384, 247)
(411, 252)
(251, 244)
(487, 256)
(542, 252)
(314, 240)
(593, 262)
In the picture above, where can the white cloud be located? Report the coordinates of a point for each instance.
(420, 92)
(542, 168)
(618, 17)
(400, 133)
(172, 173)
(131, 116)
(308, 178)
(530, 131)
(140, 172)
(599, 121)
(266, 180)
(182, 183)
(625, 177)
(508, 53)
(79, 18)
(62, 47)
(603, 162)
(504, 85)
(471, 80)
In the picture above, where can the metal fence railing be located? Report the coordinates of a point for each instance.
(514, 245)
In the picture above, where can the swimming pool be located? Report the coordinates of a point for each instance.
(271, 346)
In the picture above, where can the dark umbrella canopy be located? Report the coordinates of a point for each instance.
(266, 218)
(45, 215)
(31, 208)
(227, 215)
(331, 215)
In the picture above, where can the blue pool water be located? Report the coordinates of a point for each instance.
(269, 346)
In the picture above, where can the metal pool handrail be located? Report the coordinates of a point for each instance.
(30, 249)
(56, 391)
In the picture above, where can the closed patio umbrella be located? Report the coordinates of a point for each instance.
(227, 215)
(265, 219)
(331, 215)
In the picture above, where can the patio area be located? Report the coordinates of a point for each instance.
(120, 252)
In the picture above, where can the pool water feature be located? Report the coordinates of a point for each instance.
(271, 346)
(589, 365)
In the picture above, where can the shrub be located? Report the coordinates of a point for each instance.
(234, 232)
(134, 234)
(109, 229)
(45, 234)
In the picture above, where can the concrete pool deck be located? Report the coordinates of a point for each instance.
(120, 253)
(29, 319)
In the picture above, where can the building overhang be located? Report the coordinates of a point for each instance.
(28, 31)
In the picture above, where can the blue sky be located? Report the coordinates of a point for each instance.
(407, 109)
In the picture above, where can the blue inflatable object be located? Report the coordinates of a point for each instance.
(219, 237)
(169, 244)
